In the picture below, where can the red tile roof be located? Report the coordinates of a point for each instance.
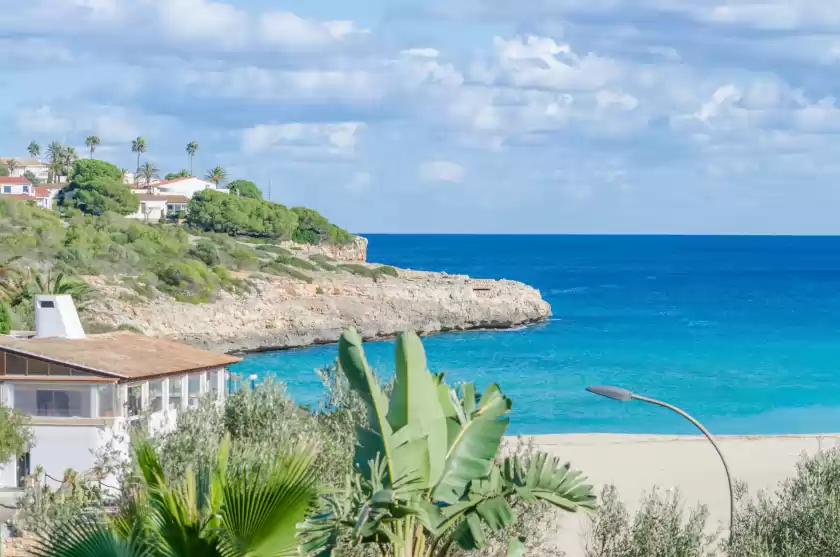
(13, 180)
(151, 197)
(42, 192)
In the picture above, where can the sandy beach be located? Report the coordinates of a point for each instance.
(635, 463)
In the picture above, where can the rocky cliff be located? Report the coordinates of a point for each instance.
(283, 312)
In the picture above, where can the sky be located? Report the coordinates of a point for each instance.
(467, 116)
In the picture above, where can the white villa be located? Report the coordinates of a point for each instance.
(81, 390)
(159, 199)
(40, 169)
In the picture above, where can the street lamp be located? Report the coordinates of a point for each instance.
(617, 393)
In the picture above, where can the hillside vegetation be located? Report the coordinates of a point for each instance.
(187, 263)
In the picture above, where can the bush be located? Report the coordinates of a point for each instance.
(87, 170)
(187, 281)
(276, 268)
(205, 252)
(245, 188)
(297, 262)
(802, 518)
(6, 319)
(314, 228)
(99, 196)
(244, 258)
(387, 270)
(360, 270)
(659, 529)
(214, 211)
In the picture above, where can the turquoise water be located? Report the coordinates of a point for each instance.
(742, 332)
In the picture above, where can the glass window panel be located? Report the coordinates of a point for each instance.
(194, 389)
(60, 370)
(37, 367)
(15, 365)
(54, 401)
(175, 386)
(213, 380)
(156, 395)
(135, 402)
(107, 401)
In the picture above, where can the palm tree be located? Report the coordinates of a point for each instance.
(69, 156)
(92, 143)
(148, 172)
(34, 149)
(217, 175)
(192, 147)
(21, 286)
(12, 165)
(138, 146)
(216, 511)
(123, 173)
(55, 154)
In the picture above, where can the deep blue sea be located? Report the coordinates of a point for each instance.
(742, 332)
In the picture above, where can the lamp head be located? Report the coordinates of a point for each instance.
(615, 393)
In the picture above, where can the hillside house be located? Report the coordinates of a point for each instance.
(40, 169)
(82, 390)
(15, 185)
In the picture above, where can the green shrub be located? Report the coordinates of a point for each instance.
(206, 252)
(131, 328)
(276, 268)
(296, 262)
(98, 197)
(659, 529)
(360, 270)
(6, 319)
(187, 281)
(306, 236)
(387, 270)
(802, 517)
(244, 258)
(214, 211)
(275, 249)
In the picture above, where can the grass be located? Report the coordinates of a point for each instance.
(280, 269)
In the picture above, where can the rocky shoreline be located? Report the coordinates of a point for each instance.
(282, 313)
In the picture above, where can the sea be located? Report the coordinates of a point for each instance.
(742, 332)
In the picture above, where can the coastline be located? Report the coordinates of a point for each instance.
(282, 313)
(684, 462)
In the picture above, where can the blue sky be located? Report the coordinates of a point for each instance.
(535, 116)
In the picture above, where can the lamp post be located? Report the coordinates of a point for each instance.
(617, 393)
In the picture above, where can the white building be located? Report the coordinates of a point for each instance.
(40, 169)
(81, 390)
(187, 187)
(15, 185)
(154, 206)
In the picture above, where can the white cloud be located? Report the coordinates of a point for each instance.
(42, 121)
(199, 21)
(288, 29)
(442, 171)
(303, 140)
(540, 62)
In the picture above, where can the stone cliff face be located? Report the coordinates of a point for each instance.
(284, 313)
(356, 252)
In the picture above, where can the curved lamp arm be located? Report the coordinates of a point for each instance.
(711, 439)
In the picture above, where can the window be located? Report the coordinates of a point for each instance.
(194, 389)
(175, 390)
(25, 189)
(7, 189)
(37, 367)
(156, 395)
(15, 365)
(53, 401)
(213, 379)
(135, 400)
(46, 304)
(107, 401)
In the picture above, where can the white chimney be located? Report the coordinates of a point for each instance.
(55, 316)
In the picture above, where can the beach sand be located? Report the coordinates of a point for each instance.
(636, 463)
